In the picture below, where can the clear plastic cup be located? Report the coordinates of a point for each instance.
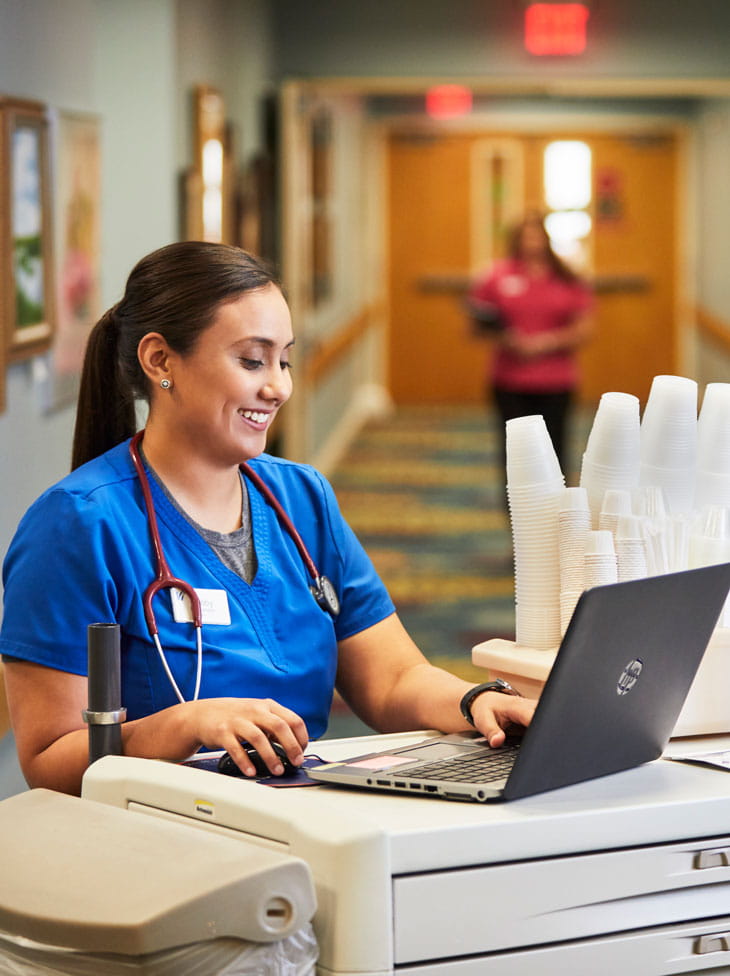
(614, 438)
(531, 457)
(669, 424)
(713, 429)
(533, 493)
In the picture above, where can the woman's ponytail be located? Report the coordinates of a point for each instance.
(105, 413)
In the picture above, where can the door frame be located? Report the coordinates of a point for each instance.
(685, 244)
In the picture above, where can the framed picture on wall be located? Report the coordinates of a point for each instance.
(26, 242)
(209, 204)
(76, 168)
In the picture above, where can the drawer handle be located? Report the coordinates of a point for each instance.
(713, 859)
(713, 943)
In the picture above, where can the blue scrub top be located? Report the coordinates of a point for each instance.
(82, 554)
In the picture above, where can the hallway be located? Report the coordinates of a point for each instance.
(313, 96)
(422, 490)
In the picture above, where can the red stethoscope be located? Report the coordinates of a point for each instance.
(321, 588)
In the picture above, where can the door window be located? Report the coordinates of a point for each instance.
(567, 187)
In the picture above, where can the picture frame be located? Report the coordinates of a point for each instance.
(208, 185)
(27, 305)
(75, 149)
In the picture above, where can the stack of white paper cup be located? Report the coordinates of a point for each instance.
(600, 558)
(669, 440)
(630, 548)
(534, 488)
(713, 447)
(574, 524)
(612, 454)
(616, 502)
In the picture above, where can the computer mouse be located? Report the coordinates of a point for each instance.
(228, 766)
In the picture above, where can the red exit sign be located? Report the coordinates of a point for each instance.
(556, 28)
(448, 101)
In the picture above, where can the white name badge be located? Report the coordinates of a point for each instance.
(213, 603)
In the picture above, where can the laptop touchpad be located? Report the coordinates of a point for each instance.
(435, 750)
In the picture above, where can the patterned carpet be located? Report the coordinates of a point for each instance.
(423, 491)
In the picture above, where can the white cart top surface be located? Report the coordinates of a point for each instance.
(659, 802)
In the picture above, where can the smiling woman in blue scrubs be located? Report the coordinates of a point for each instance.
(204, 335)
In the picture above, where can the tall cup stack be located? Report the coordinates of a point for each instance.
(653, 498)
(669, 441)
(611, 458)
(534, 488)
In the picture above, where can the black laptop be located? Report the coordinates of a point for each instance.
(612, 698)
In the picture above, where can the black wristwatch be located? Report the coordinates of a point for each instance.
(504, 687)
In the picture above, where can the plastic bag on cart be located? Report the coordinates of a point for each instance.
(295, 955)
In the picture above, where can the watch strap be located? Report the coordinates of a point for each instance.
(499, 684)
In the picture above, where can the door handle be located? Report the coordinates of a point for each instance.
(448, 282)
(719, 858)
(719, 942)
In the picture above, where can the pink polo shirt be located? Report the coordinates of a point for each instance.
(530, 305)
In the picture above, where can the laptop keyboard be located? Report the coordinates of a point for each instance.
(485, 768)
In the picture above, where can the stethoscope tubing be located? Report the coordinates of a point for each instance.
(321, 587)
(165, 580)
(283, 518)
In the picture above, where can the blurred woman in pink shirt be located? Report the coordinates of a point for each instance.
(538, 312)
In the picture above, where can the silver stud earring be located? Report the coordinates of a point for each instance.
(165, 384)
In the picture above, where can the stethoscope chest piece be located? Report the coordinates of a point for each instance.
(321, 587)
(326, 596)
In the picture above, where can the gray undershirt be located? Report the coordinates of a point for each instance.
(235, 549)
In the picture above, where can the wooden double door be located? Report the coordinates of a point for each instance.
(450, 196)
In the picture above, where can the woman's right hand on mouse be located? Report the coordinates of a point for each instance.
(223, 723)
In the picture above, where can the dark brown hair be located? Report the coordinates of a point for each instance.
(175, 291)
(556, 263)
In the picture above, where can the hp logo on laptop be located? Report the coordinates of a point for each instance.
(629, 676)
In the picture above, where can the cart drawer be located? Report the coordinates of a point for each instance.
(495, 907)
(668, 951)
